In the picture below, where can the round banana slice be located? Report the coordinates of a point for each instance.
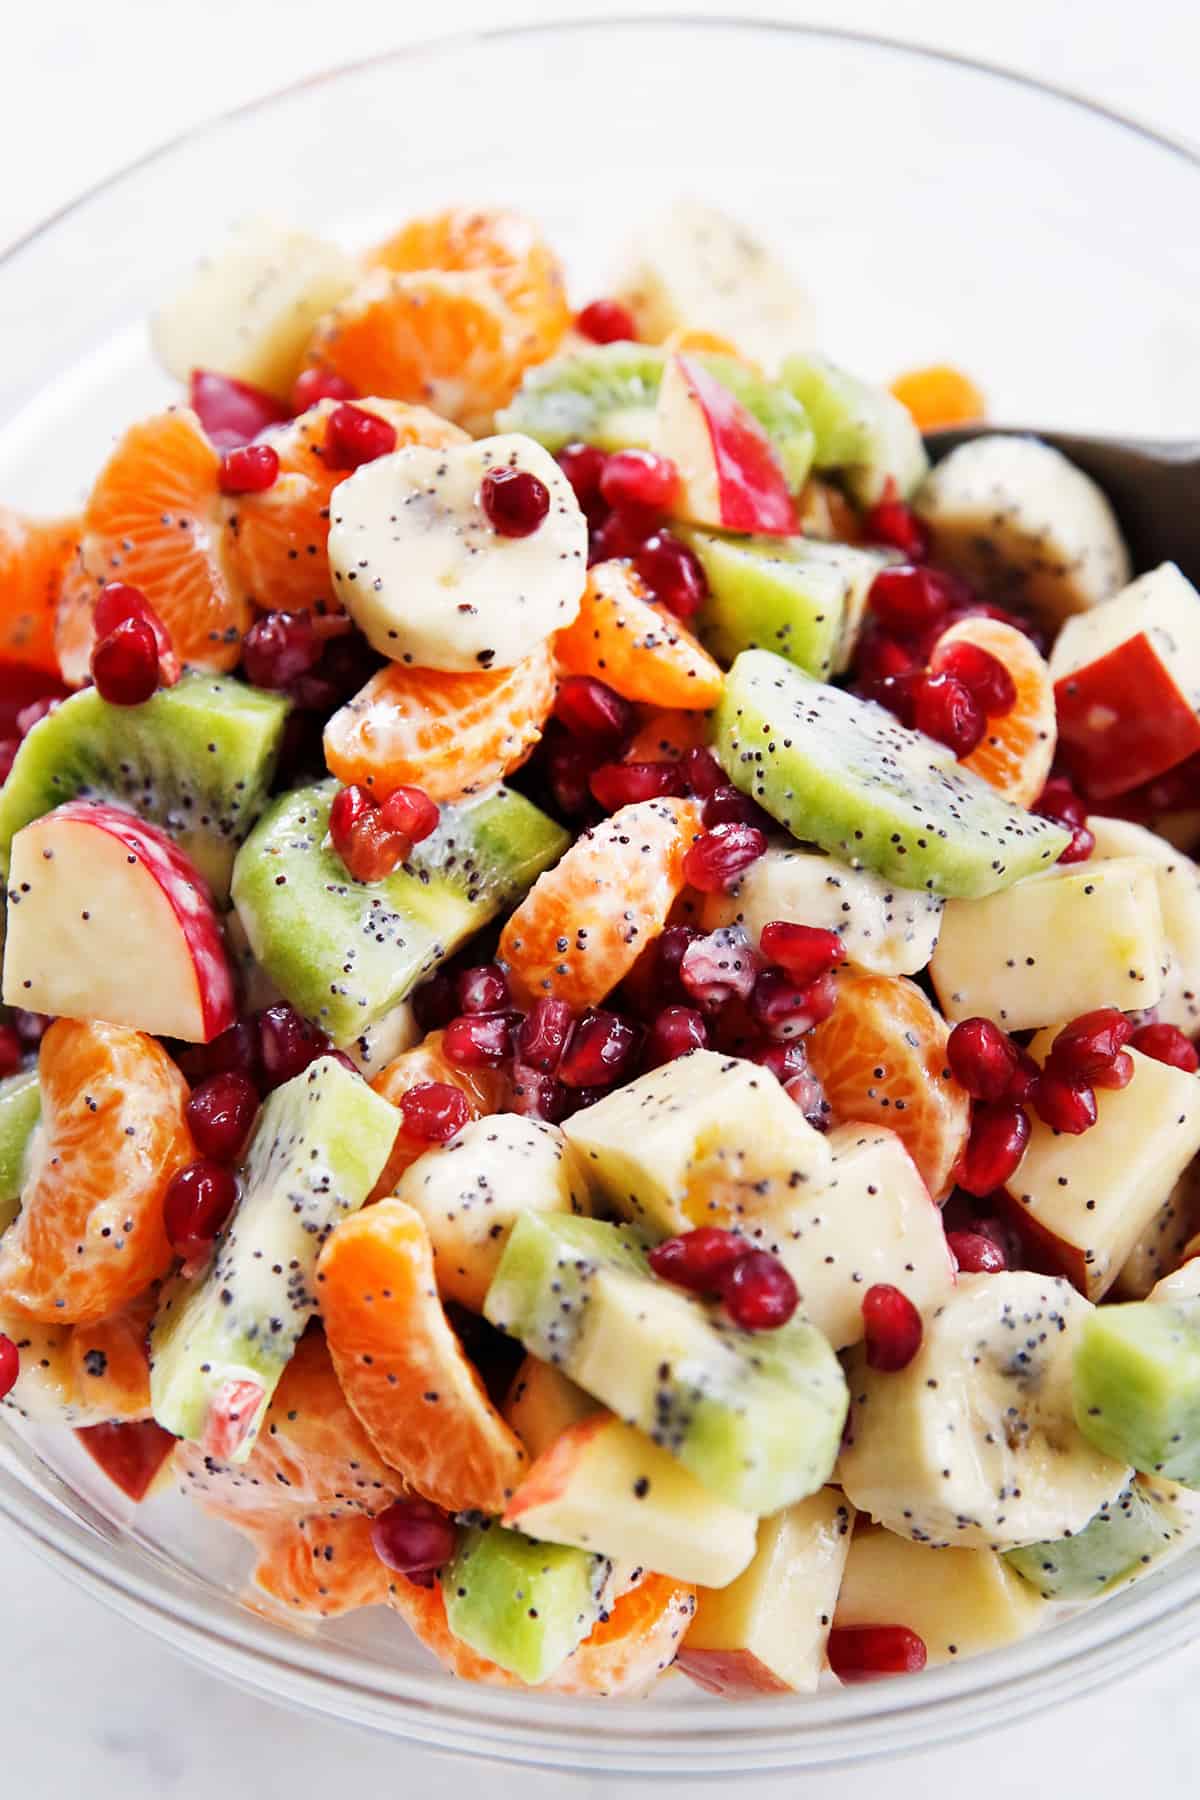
(975, 1443)
(419, 567)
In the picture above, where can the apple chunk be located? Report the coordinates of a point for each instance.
(728, 472)
(133, 1453)
(107, 919)
(1127, 684)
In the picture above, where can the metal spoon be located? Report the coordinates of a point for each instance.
(1154, 487)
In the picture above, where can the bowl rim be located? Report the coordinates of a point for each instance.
(830, 1729)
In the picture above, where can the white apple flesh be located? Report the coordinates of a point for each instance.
(728, 473)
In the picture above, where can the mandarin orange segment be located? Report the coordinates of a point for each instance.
(322, 1568)
(939, 395)
(35, 555)
(486, 1091)
(447, 733)
(504, 245)
(89, 1237)
(585, 922)
(153, 519)
(1016, 754)
(881, 1059)
(639, 649)
(667, 736)
(403, 1369)
(277, 541)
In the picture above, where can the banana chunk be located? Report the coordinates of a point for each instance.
(419, 567)
(975, 1443)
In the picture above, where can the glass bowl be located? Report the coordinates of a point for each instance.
(938, 210)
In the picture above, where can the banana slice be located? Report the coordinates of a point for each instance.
(975, 1443)
(1018, 516)
(419, 567)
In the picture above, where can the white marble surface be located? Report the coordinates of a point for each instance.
(89, 1705)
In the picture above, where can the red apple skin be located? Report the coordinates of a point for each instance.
(732, 1673)
(131, 1453)
(187, 895)
(753, 493)
(1122, 720)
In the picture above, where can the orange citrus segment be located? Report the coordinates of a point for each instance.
(277, 541)
(505, 246)
(1016, 754)
(667, 736)
(89, 1236)
(639, 649)
(585, 922)
(110, 1364)
(450, 734)
(35, 555)
(403, 1369)
(881, 1058)
(486, 1090)
(939, 395)
(154, 519)
(322, 1568)
(686, 337)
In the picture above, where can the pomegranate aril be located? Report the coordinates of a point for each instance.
(635, 480)
(880, 655)
(119, 600)
(1119, 1073)
(354, 436)
(410, 811)
(898, 694)
(1080, 848)
(606, 322)
(697, 1260)
(1166, 1044)
(803, 951)
(976, 1254)
(891, 522)
(231, 412)
(621, 784)
(515, 501)
(536, 1095)
(569, 766)
(805, 1091)
(288, 1043)
(602, 1051)
(435, 1002)
(11, 1052)
(758, 1293)
(984, 675)
(583, 465)
(945, 709)
(196, 1204)
(544, 1032)
(785, 1061)
(10, 1365)
(892, 1326)
(435, 1111)
(1090, 1044)
(350, 805)
(983, 1059)
(719, 856)
(702, 773)
(1020, 1082)
(785, 1009)
(250, 470)
(125, 664)
(718, 968)
(729, 806)
(315, 385)
(478, 1040)
(220, 1113)
(483, 990)
(280, 647)
(413, 1537)
(873, 1652)
(1066, 1103)
(674, 1032)
(999, 1135)
(374, 850)
(235, 1051)
(673, 574)
(1059, 800)
(908, 601)
(669, 952)
(591, 709)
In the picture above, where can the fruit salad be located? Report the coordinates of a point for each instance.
(601, 974)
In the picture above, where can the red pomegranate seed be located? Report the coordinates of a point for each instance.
(125, 664)
(220, 1113)
(118, 601)
(515, 501)
(583, 465)
(785, 1061)
(621, 534)
(803, 951)
(10, 1365)
(698, 1259)
(606, 322)
(999, 1134)
(638, 479)
(478, 1040)
(983, 1059)
(434, 1111)
(535, 1095)
(621, 784)
(435, 1002)
(236, 1051)
(252, 469)
(673, 573)
(880, 655)
(374, 850)
(898, 694)
(1080, 848)
(315, 385)
(601, 1052)
(718, 968)
(1065, 1103)
(729, 806)
(893, 1328)
(668, 955)
(1020, 1082)
(279, 648)
(673, 1032)
(719, 856)
(1167, 1044)
(413, 1537)
(410, 811)
(758, 1293)
(702, 773)
(11, 1053)
(805, 1091)
(354, 437)
(982, 674)
(544, 1032)
(350, 804)
(872, 1652)
(591, 709)
(196, 1204)
(1119, 1073)
(976, 1254)
(1090, 1045)
(569, 765)
(948, 711)
(785, 1009)
(288, 1044)
(908, 601)
(483, 990)
(1059, 800)
(231, 412)
(891, 522)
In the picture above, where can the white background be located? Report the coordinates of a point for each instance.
(89, 1705)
